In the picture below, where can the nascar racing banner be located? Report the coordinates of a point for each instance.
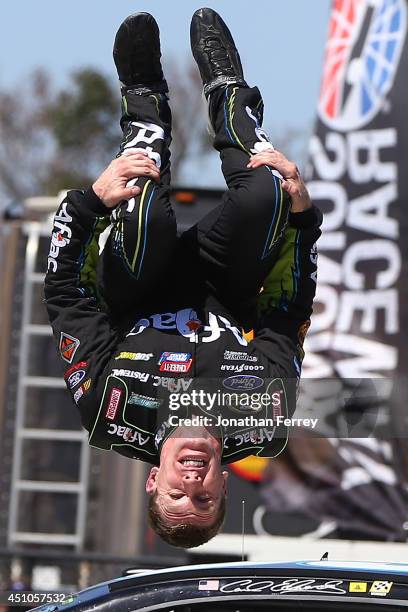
(358, 176)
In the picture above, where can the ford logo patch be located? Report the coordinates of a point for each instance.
(76, 378)
(243, 382)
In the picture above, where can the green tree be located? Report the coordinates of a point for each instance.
(51, 140)
(63, 139)
(83, 122)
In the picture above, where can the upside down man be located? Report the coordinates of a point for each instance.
(143, 316)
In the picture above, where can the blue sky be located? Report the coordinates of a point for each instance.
(281, 45)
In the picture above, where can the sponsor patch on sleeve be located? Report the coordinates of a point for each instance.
(82, 390)
(78, 394)
(68, 346)
(75, 378)
(113, 403)
(82, 365)
(87, 385)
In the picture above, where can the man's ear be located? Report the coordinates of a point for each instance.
(225, 477)
(151, 483)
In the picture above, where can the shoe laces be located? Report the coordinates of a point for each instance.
(217, 55)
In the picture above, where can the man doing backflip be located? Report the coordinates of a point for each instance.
(166, 314)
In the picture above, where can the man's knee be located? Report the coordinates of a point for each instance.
(260, 196)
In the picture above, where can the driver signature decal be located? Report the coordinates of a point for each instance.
(291, 585)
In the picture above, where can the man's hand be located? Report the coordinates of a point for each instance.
(111, 187)
(292, 183)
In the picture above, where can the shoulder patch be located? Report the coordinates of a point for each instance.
(68, 346)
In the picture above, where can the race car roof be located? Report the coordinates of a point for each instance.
(328, 579)
(352, 566)
(216, 569)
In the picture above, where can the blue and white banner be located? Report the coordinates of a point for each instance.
(355, 487)
(358, 176)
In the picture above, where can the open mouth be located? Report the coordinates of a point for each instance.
(194, 462)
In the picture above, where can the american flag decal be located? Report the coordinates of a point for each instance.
(208, 585)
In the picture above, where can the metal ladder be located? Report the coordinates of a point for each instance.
(32, 232)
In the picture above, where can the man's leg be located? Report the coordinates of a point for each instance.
(143, 237)
(239, 241)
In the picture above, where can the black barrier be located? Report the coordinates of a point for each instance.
(77, 570)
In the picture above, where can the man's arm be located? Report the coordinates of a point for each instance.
(81, 329)
(286, 302)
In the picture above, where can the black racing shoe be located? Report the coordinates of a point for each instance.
(136, 53)
(214, 51)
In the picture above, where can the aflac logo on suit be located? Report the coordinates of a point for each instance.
(366, 38)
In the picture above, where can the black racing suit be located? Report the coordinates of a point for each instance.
(157, 314)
